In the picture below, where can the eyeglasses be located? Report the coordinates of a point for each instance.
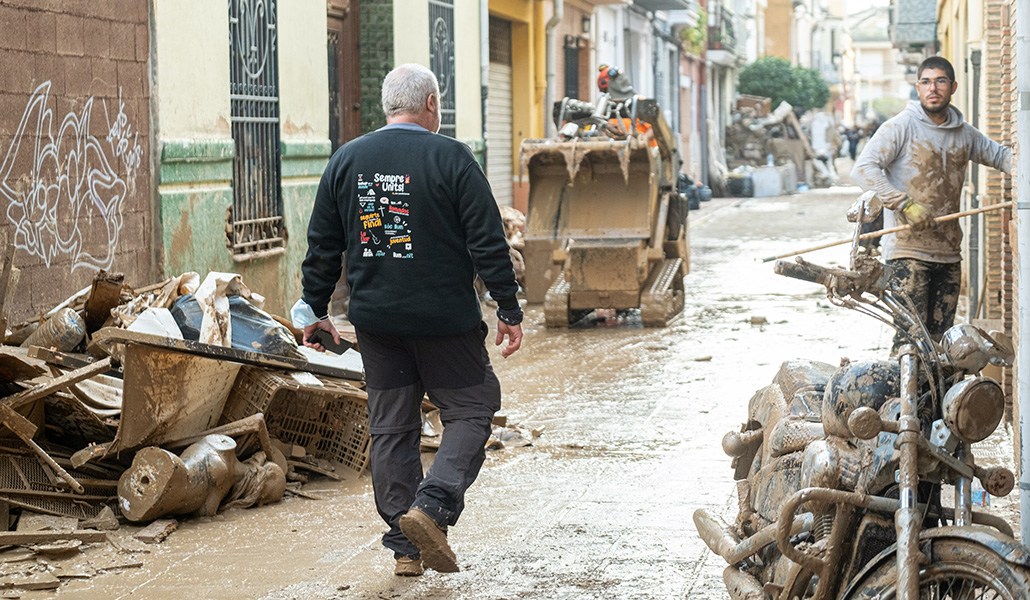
(939, 82)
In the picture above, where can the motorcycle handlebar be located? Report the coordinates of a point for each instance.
(804, 271)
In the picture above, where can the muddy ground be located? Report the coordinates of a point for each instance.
(600, 505)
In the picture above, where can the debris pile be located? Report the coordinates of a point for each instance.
(772, 153)
(131, 406)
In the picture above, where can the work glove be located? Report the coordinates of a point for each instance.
(916, 215)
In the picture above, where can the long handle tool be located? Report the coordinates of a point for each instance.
(876, 234)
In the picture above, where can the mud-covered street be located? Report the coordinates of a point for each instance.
(600, 505)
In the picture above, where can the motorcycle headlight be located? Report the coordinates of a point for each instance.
(966, 347)
(973, 408)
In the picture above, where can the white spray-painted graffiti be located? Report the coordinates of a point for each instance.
(69, 202)
(124, 142)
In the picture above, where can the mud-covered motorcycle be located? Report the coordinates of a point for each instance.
(839, 469)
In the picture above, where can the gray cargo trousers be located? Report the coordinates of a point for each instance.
(455, 372)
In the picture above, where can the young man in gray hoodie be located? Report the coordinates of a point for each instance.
(916, 163)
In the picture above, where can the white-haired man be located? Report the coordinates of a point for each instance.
(415, 215)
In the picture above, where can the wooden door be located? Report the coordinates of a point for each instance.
(344, 53)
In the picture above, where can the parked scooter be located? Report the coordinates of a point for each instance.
(839, 469)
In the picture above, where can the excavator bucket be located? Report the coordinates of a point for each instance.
(606, 226)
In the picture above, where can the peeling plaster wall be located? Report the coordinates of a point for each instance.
(197, 149)
(75, 181)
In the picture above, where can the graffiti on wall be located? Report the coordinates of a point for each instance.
(63, 196)
(124, 142)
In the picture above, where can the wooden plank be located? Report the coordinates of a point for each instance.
(65, 475)
(45, 389)
(89, 453)
(5, 515)
(300, 464)
(44, 494)
(30, 582)
(24, 429)
(253, 424)
(21, 426)
(65, 360)
(19, 538)
(801, 134)
(157, 531)
(110, 335)
(5, 280)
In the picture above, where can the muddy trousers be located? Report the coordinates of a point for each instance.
(933, 289)
(456, 374)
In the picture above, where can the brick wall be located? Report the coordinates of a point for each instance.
(1008, 138)
(75, 181)
(995, 180)
(1007, 226)
(376, 59)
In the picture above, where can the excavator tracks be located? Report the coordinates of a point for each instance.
(556, 303)
(662, 298)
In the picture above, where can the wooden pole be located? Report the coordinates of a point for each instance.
(5, 281)
(876, 234)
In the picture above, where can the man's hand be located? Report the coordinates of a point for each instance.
(514, 333)
(917, 215)
(326, 325)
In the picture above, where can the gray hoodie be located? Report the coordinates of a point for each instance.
(911, 156)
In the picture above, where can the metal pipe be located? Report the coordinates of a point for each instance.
(703, 93)
(550, 53)
(974, 202)
(1023, 251)
(907, 518)
(963, 492)
(484, 69)
(741, 585)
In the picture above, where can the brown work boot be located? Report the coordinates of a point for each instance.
(422, 530)
(408, 567)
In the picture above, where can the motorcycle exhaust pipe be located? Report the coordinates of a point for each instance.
(720, 538)
(716, 534)
(741, 585)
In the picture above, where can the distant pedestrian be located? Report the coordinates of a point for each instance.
(853, 135)
(416, 217)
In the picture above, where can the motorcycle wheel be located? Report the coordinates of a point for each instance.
(958, 570)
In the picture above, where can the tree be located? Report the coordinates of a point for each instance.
(810, 90)
(769, 76)
(775, 78)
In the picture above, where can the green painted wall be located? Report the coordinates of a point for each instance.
(195, 195)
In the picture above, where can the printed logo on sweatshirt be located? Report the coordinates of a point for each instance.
(383, 216)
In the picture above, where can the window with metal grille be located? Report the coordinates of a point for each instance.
(571, 66)
(257, 212)
(441, 59)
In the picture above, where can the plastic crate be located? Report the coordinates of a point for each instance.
(329, 421)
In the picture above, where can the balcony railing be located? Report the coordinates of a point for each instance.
(726, 31)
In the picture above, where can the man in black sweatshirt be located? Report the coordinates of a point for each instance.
(416, 217)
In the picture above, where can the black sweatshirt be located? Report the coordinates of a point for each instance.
(417, 219)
